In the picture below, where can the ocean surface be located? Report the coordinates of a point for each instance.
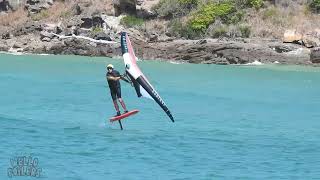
(232, 122)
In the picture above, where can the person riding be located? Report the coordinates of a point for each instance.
(113, 78)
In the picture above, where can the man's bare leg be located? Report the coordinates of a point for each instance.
(116, 106)
(123, 105)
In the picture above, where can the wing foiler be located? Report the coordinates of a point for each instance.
(140, 82)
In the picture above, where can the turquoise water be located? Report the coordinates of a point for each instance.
(232, 122)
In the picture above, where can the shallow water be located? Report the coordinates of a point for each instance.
(232, 122)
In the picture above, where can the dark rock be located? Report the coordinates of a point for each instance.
(76, 10)
(153, 37)
(6, 35)
(87, 22)
(145, 14)
(5, 5)
(139, 2)
(315, 55)
(280, 48)
(168, 34)
(32, 2)
(29, 28)
(97, 21)
(36, 6)
(68, 32)
(125, 6)
(46, 35)
(102, 36)
(57, 30)
(202, 41)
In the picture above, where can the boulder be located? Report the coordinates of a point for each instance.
(46, 39)
(87, 22)
(17, 45)
(28, 28)
(140, 2)
(310, 42)
(83, 31)
(102, 36)
(45, 34)
(291, 35)
(153, 37)
(145, 13)
(315, 55)
(112, 22)
(69, 32)
(54, 28)
(97, 21)
(5, 5)
(73, 21)
(312, 39)
(35, 6)
(6, 35)
(124, 6)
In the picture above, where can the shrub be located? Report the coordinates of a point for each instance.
(131, 21)
(178, 29)
(97, 30)
(174, 8)
(270, 13)
(219, 32)
(41, 15)
(188, 2)
(175, 27)
(256, 3)
(65, 14)
(208, 13)
(245, 31)
(315, 6)
(233, 18)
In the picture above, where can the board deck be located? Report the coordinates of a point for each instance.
(125, 115)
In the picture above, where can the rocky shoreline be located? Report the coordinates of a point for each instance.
(205, 51)
(40, 37)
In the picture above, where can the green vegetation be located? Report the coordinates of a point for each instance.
(178, 29)
(255, 3)
(174, 8)
(231, 18)
(220, 32)
(207, 14)
(188, 2)
(131, 21)
(270, 13)
(41, 15)
(315, 6)
(65, 14)
(97, 30)
(245, 31)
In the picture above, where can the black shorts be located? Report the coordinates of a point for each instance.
(115, 93)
